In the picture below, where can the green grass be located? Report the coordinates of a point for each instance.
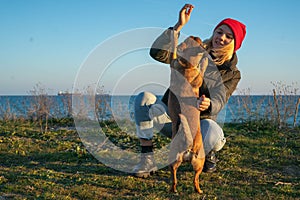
(257, 162)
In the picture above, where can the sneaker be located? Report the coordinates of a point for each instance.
(210, 164)
(145, 167)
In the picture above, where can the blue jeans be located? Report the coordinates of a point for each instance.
(151, 115)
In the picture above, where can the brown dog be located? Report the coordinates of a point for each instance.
(186, 78)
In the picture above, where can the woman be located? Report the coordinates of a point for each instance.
(219, 84)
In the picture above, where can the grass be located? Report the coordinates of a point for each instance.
(257, 162)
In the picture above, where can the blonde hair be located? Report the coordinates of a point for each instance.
(220, 54)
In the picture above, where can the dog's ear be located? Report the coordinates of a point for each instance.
(203, 65)
(198, 40)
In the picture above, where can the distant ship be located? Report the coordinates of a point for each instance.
(66, 93)
(62, 93)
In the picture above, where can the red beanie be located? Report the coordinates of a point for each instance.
(238, 29)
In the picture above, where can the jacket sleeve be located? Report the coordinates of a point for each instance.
(217, 97)
(221, 94)
(231, 85)
(161, 47)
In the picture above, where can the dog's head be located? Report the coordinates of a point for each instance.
(190, 52)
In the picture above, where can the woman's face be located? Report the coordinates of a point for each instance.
(222, 36)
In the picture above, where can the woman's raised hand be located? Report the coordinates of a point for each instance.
(184, 16)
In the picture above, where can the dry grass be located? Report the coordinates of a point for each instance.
(258, 162)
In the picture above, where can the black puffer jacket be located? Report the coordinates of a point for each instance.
(219, 81)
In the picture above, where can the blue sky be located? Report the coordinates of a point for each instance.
(47, 41)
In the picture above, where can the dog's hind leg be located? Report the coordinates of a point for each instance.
(173, 168)
(196, 181)
(197, 163)
(198, 159)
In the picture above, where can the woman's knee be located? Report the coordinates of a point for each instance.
(142, 103)
(209, 127)
(212, 134)
(145, 99)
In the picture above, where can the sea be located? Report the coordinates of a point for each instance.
(240, 108)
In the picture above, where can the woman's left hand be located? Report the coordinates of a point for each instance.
(203, 103)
